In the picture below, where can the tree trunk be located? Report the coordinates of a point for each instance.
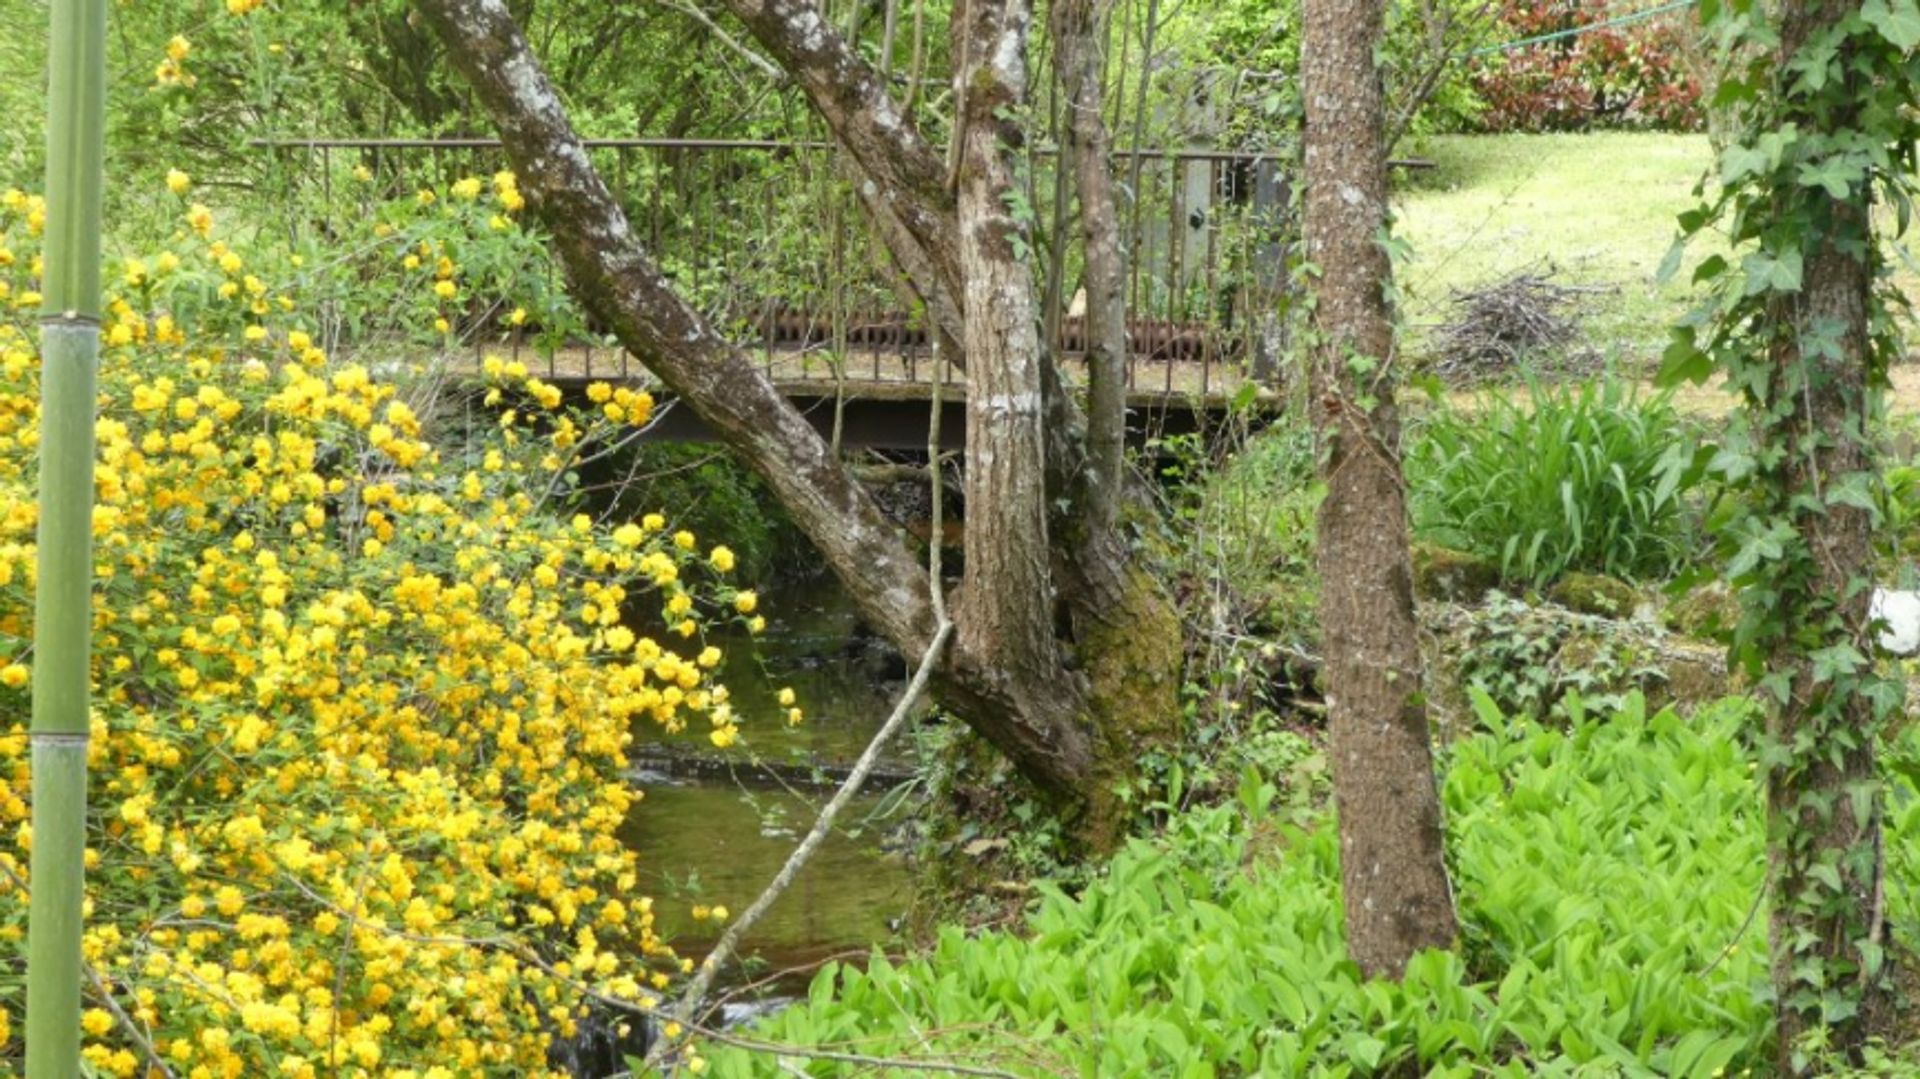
(1398, 900)
(1006, 598)
(1077, 59)
(1822, 931)
(1026, 709)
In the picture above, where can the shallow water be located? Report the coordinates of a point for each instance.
(718, 842)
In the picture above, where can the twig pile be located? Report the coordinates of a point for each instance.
(1525, 318)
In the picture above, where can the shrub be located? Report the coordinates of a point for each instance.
(1633, 75)
(1608, 876)
(362, 697)
(1594, 477)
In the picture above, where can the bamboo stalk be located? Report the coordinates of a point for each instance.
(63, 602)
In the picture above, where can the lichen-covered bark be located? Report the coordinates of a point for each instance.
(903, 183)
(1396, 892)
(1006, 609)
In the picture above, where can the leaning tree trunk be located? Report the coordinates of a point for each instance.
(1398, 900)
(1827, 926)
(63, 596)
(1069, 733)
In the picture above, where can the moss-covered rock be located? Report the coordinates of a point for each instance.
(1594, 593)
(1445, 575)
(1709, 611)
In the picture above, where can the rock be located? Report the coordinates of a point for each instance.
(1594, 593)
(1901, 613)
(1440, 573)
(1709, 611)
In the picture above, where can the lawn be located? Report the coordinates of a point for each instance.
(1598, 207)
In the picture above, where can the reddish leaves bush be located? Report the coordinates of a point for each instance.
(1633, 75)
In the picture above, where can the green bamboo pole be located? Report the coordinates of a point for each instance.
(63, 603)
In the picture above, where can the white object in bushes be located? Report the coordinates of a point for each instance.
(1901, 613)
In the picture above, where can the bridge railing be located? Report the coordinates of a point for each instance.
(768, 240)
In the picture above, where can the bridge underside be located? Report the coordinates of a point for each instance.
(899, 421)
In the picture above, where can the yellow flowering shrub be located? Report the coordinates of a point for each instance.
(362, 689)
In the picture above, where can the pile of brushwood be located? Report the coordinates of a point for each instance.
(1524, 322)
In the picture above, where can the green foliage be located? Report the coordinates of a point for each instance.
(1544, 662)
(1217, 949)
(1824, 135)
(1594, 477)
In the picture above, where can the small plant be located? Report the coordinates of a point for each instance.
(1594, 478)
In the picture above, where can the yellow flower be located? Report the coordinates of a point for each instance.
(785, 697)
(14, 675)
(518, 317)
(362, 173)
(745, 602)
(241, 7)
(96, 1022)
(684, 540)
(177, 49)
(178, 182)
(446, 290)
(468, 188)
(722, 559)
(199, 218)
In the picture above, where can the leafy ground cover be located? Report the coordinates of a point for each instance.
(1608, 870)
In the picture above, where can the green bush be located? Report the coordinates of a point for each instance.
(1593, 477)
(1607, 873)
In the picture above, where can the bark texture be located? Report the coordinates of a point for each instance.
(1027, 709)
(1078, 60)
(1398, 899)
(1006, 607)
(1814, 810)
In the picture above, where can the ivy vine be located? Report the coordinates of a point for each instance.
(1827, 135)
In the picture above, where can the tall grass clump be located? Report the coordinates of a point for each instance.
(1594, 477)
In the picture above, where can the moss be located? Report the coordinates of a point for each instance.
(1594, 593)
(1132, 660)
(1709, 611)
(1443, 574)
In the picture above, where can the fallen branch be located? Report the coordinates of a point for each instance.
(702, 982)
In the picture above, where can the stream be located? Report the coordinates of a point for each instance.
(715, 826)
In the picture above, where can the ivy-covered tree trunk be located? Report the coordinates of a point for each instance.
(1800, 324)
(1823, 790)
(1398, 899)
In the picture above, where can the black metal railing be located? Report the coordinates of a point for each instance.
(767, 239)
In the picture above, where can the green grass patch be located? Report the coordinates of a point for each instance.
(1607, 872)
(1601, 207)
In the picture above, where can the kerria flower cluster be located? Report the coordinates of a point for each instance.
(364, 683)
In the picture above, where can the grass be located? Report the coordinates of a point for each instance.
(1601, 207)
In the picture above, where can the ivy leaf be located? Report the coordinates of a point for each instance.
(1670, 265)
(1835, 660)
(1683, 361)
(1897, 20)
(1766, 272)
(1740, 162)
(1836, 174)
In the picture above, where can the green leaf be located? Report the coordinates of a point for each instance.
(1897, 20)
